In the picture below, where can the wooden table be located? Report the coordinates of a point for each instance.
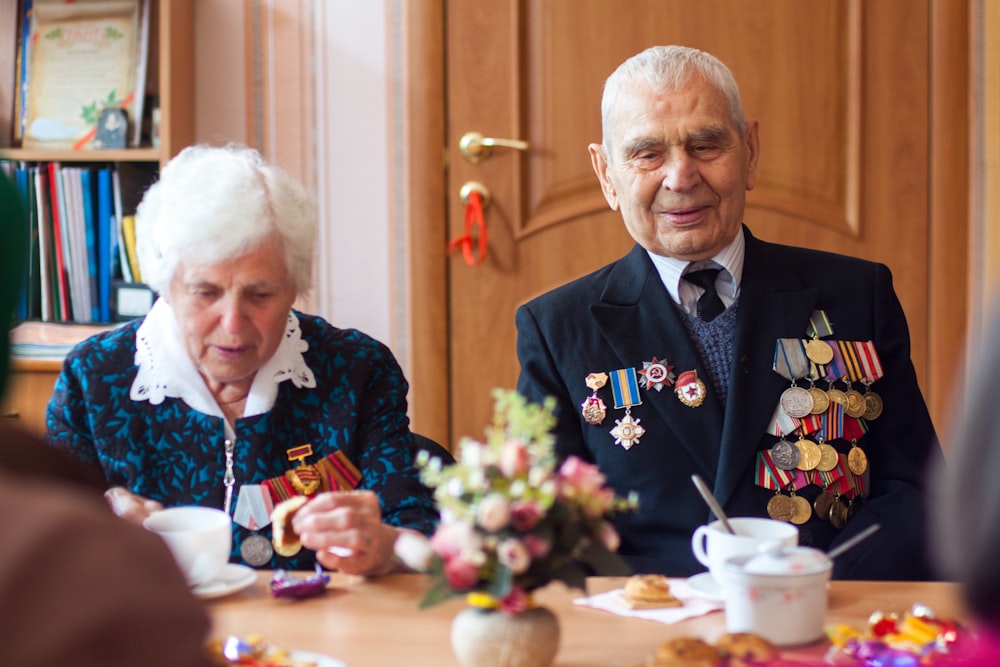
(377, 622)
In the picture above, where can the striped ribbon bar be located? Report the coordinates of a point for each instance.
(625, 387)
(871, 365)
(769, 475)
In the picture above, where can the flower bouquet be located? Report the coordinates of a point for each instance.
(511, 520)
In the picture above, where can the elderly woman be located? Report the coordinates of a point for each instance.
(223, 395)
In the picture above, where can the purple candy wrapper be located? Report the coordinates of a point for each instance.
(284, 584)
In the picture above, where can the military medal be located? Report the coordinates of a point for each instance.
(829, 458)
(873, 406)
(790, 362)
(785, 455)
(872, 370)
(809, 454)
(801, 509)
(769, 476)
(857, 460)
(304, 478)
(780, 507)
(819, 398)
(593, 408)
(819, 351)
(838, 513)
(253, 512)
(823, 503)
(690, 389)
(625, 388)
(655, 374)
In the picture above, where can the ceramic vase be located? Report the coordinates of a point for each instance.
(492, 638)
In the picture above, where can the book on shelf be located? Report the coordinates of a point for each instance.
(83, 58)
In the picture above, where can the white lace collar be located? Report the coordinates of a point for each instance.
(166, 370)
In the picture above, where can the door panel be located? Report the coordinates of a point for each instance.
(840, 90)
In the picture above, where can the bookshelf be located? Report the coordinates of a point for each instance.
(170, 80)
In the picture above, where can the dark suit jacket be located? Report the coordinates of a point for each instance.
(622, 315)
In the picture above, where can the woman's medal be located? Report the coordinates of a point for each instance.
(253, 512)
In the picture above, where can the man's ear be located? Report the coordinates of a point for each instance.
(752, 140)
(599, 160)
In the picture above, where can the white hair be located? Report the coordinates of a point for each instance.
(670, 68)
(213, 204)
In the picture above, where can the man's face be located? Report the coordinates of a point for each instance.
(677, 169)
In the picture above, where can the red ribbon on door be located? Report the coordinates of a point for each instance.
(475, 232)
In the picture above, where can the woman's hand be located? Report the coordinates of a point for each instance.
(130, 506)
(346, 531)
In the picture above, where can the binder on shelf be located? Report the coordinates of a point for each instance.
(105, 224)
(61, 293)
(90, 221)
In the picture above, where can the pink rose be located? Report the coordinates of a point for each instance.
(513, 554)
(493, 512)
(514, 458)
(454, 537)
(460, 573)
(538, 547)
(583, 477)
(515, 602)
(525, 514)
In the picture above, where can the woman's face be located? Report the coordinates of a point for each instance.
(232, 314)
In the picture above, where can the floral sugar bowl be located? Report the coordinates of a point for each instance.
(779, 593)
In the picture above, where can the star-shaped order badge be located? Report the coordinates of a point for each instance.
(655, 374)
(690, 389)
(627, 431)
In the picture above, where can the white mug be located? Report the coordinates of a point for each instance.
(200, 539)
(713, 545)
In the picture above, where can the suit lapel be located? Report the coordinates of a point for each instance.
(639, 320)
(773, 304)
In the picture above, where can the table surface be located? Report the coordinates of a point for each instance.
(377, 622)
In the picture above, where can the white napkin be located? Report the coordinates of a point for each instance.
(695, 604)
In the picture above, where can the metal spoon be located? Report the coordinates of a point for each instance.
(712, 502)
(863, 535)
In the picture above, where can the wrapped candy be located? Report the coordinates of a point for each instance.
(917, 639)
(284, 584)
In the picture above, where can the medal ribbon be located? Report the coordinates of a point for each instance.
(253, 507)
(625, 388)
(833, 421)
(810, 424)
(336, 473)
(819, 325)
(825, 479)
(851, 361)
(870, 363)
(790, 360)
(800, 480)
(769, 475)
(854, 428)
(842, 484)
(781, 423)
(857, 484)
(835, 369)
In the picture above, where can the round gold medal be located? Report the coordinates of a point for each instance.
(836, 396)
(820, 400)
(828, 458)
(873, 406)
(823, 503)
(857, 460)
(855, 403)
(780, 508)
(819, 351)
(809, 454)
(802, 512)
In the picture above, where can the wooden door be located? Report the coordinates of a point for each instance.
(841, 90)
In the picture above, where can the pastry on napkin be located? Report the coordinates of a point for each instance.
(692, 604)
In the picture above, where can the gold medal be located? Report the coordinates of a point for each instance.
(836, 396)
(820, 400)
(818, 351)
(855, 403)
(857, 460)
(823, 503)
(838, 514)
(809, 454)
(873, 406)
(802, 510)
(593, 409)
(780, 507)
(828, 458)
(305, 478)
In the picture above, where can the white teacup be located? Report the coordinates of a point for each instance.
(200, 539)
(713, 545)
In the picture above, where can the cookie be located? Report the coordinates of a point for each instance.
(686, 652)
(745, 649)
(284, 539)
(648, 591)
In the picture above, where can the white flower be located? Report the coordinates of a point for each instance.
(414, 550)
(493, 512)
(512, 553)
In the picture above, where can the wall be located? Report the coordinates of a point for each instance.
(305, 81)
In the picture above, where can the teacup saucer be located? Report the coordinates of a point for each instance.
(233, 578)
(705, 585)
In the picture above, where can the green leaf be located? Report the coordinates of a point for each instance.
(438, 593)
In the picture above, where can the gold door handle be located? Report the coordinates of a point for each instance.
(475, 147)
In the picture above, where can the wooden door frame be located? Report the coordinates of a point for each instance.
(420, 182)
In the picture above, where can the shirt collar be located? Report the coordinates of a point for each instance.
(730, 259)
